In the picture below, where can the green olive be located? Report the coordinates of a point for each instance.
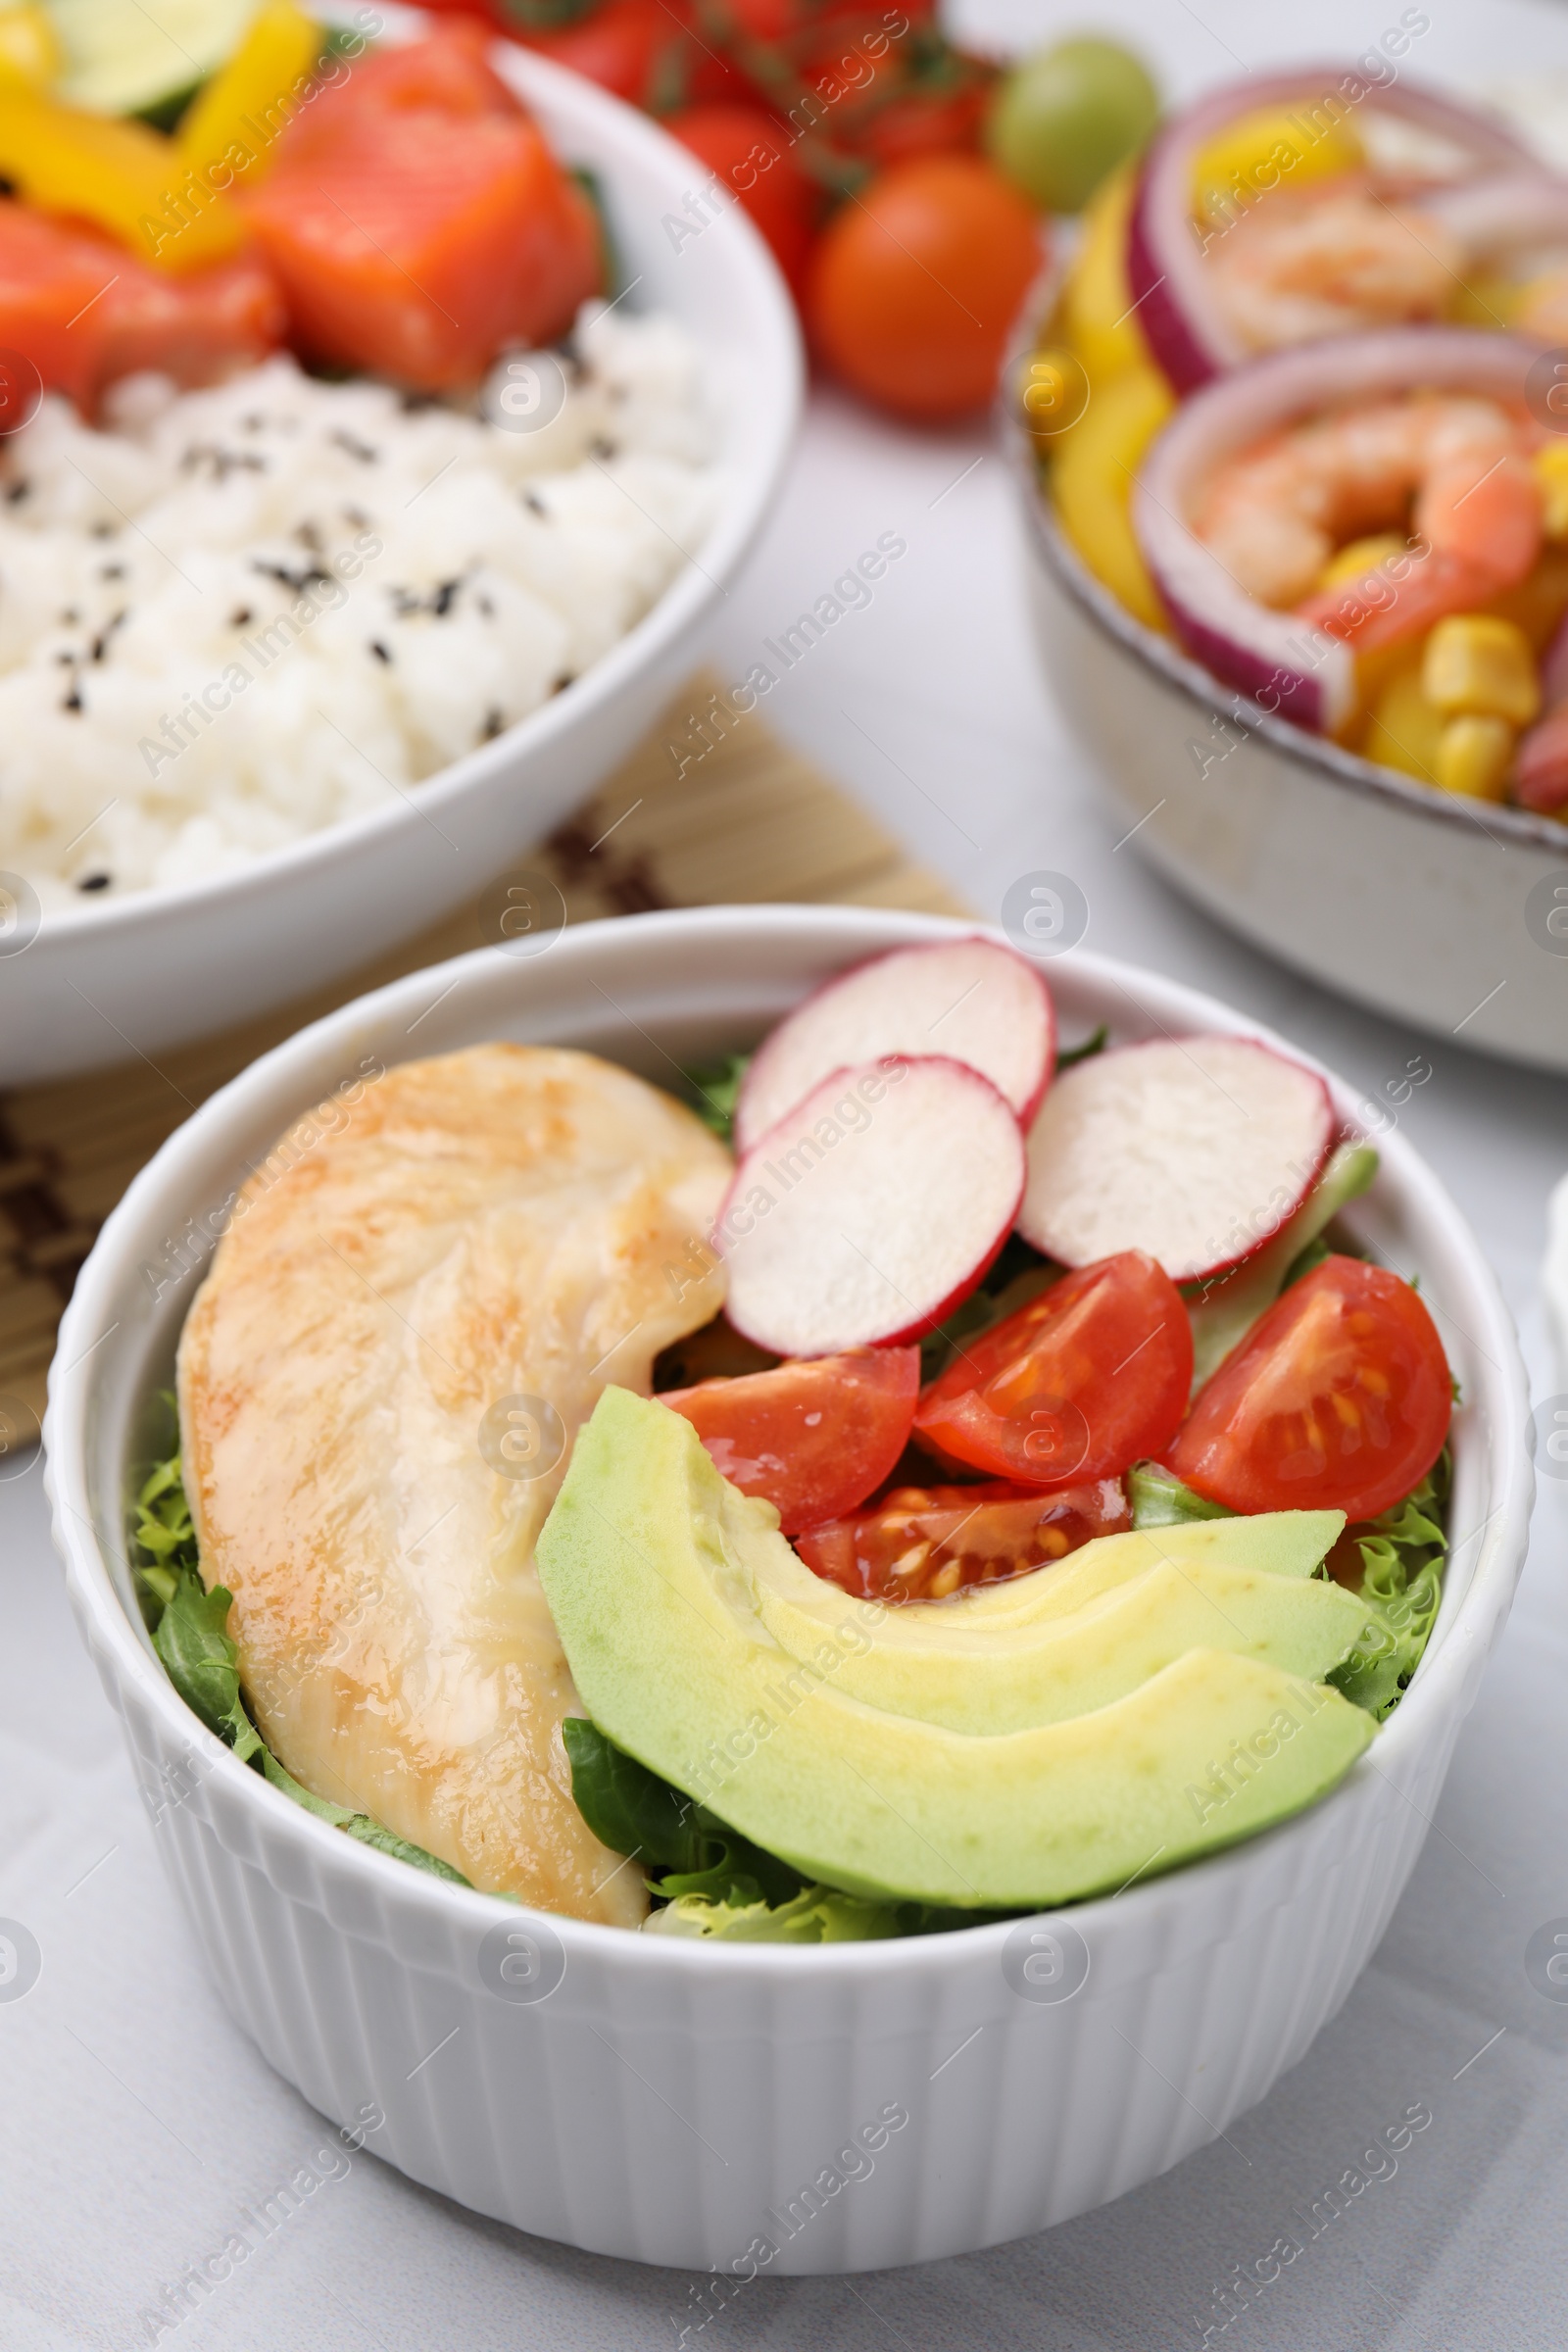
(1064, 119)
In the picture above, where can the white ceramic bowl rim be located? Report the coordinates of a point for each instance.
(1476, 1595)
(1329, 761)
(746, 502)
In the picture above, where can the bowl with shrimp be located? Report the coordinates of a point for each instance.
(1324, 667)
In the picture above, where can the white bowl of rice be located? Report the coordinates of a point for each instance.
(289, 669)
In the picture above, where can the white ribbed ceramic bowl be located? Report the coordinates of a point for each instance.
(158, 967)
(668, 2102)
(1449, 912)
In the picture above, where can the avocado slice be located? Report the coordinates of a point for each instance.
(648, 1565)
(1279, 1545)
(1007, 1678)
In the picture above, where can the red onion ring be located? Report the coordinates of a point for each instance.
(1165, 272)
(1274, 657)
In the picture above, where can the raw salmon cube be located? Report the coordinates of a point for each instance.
(418, 223)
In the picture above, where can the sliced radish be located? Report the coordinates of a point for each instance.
(1196, 1148)
(865, 1214)
(965, 999)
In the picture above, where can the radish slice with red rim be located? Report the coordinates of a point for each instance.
(1167, 275)
(1195, 1148)
(961, 999)
(864, 1215)
(1275, 658)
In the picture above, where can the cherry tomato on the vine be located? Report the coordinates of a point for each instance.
(916, 281)
(1338, 1398)
(756, 158)
(1088, 1378)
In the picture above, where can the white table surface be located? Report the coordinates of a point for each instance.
(135, 2117)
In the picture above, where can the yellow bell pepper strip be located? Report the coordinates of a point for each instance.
(129, 179)
(29, 46)
(1097, 319)
(1476, 666)
(1269, 148)
(230, 132)
(1091, 481)
(1474, 757)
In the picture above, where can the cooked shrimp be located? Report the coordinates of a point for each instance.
(1308, 262)
(1452, 465)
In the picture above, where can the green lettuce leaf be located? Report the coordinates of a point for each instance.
(162, 1534)
(635, 1813)
(1158, 1499)
(1402, 1556)
(717, 1086)
(1087, 1050)
(202, 1662)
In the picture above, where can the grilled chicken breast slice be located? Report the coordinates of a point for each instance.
(500, 1224)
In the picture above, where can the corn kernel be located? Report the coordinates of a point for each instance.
(1361, 556)
(1406, 729)
(1478, 666)
(1551, 472)
(1474, 757)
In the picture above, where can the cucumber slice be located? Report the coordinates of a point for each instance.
(128, 57)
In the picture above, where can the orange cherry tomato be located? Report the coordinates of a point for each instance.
(1338, 1398)
(1087, 1379)
(814, 1438)
(923, 1543)
(915, 284)
(754, 157)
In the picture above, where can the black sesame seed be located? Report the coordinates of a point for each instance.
(72, 701)
(379, 651)
(493, 724)
(241, 617)
(535, 506)
(93, 882)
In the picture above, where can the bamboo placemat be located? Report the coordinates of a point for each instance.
(748, 821)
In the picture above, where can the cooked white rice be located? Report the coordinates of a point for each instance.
(235, 617)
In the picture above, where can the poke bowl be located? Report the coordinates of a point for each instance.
(1254, 630)
(739, 2106)
(526, 568)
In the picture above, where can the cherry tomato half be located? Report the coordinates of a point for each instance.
(1088, 1378)
(923, 1543)
(914, 285)
(814, 1438)
(1338, 1399)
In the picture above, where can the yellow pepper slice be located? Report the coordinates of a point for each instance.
(1091, 481)
(29, 46)
(128, 179)
(1272, 147)
(231, 129)
(1097, 318)
(1474, 757)
(1476, 666)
